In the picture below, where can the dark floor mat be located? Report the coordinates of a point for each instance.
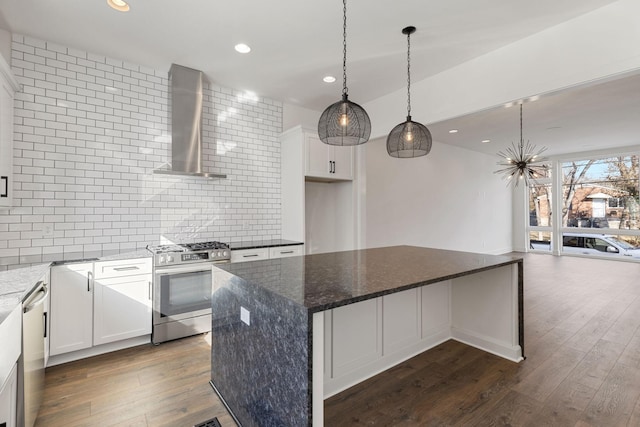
(213, 422)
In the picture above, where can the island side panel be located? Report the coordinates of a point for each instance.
(486, 311)
(259, 354)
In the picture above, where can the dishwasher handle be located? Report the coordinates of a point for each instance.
(37, 297)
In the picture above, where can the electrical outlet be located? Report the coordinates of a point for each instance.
(47, 230)
(246, 225)
(245, 315)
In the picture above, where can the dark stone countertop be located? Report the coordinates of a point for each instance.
(324, 281)
(255, 244)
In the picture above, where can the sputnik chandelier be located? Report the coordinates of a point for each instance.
(522, 163)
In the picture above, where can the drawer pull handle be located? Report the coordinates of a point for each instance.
(5, 192)
(126, 268)
(250, 256)
(286, 252)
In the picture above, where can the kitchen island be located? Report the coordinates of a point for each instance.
(287, 333)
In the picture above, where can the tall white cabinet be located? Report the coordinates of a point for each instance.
(8, 87)
(319, 192)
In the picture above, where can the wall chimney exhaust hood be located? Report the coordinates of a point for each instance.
(185, 101)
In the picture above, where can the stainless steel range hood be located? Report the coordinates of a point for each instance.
(186, 123)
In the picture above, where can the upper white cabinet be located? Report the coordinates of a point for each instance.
(320, 192)
(8, 86)
(326, 162)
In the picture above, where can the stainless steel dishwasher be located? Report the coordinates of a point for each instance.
(33, 339)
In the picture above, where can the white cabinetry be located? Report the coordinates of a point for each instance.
(286, 251)
(11, 342)
(320, 197)
(8, 86)
(368, 337)
(326, 162)
(256, 254)
(9, 398)
(122, 300)
(249, 254)
(71, 308)
(95, 313)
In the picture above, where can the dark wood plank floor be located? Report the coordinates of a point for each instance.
(165, 385)
(582, 369)
(582, 335)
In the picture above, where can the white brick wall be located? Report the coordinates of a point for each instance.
(89, 130)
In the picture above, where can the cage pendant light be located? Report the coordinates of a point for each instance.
(409, 139)
(344, 122)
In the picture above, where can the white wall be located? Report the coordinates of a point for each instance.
(88, 133)
(450, 199)
(5, 45)
(293, 115)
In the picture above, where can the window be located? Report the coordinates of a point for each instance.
(601, 193)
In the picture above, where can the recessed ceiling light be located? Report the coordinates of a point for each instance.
(119, 5)
(329, 79)
(486, 141)
(453, 131)
(242, 48)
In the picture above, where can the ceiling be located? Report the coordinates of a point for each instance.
(600, 115)
(296, 43)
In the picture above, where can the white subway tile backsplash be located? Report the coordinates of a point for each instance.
(88, 133)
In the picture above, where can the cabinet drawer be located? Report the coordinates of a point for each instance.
(121, 268)
(249, 255)
(286, 251)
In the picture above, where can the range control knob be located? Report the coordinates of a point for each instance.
(169, 258)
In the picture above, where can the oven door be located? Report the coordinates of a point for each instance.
(181, 292)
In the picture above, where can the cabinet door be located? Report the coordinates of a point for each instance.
(343, 163)
(122, 308)
(249, 255)
(9, 399)
(318, 162)
(6, 144)
(71, 308)
(286, 251)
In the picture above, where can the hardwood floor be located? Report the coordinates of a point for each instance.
(582, 339)
(582, 369)
(165, 385)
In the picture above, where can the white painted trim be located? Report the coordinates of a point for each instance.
(100, 349)
(513, 353)
(5, 70)
(317, 391)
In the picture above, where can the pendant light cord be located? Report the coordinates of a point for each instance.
(521, 137)
(345, 91)
(409, 74)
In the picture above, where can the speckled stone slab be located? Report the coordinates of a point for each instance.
(255, 244)
(262, 370)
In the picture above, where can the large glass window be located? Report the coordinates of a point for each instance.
(596, 210)
(601, 193)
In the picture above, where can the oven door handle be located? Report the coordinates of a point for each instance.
(189, 269)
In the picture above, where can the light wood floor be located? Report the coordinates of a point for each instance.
(582, 339)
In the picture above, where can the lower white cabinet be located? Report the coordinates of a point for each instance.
(286, 251)
(122, 308)
(89, 310)
(8, 399)
(266, 253)
(71, 313)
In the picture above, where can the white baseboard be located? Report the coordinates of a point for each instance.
(502, 349)
(100, 349)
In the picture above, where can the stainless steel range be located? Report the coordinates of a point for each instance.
(182, 285)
